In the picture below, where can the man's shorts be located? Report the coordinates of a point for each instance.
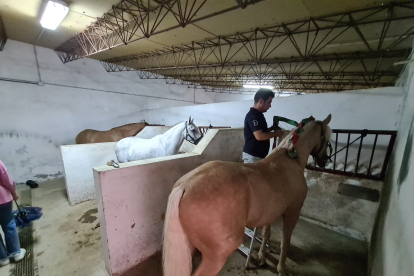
(247, 158)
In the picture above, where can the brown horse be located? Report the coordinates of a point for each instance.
(113, 135)
(210, 206)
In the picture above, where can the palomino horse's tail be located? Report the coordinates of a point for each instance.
(176, 247)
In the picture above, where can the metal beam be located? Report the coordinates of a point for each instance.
(133, 20)
(319, 32)
(284, 85)
(127, 64)
(3, 35)
(226, 55)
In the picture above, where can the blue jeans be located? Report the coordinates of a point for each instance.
(8, 226)
(247, 158)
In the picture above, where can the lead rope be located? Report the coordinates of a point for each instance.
(277, 119)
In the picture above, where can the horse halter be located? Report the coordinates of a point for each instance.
(192, 140)
(323, 140)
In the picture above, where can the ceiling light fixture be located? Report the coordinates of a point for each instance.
(254, 86)
(53, 15)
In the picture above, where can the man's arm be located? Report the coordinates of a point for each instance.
(263, 136)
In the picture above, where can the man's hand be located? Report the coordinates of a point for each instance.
(264, 136)
(15, 196)
(278, 132)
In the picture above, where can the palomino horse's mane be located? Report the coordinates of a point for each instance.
(285, 141)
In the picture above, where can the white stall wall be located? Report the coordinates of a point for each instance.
(360, 109)
(37, 119)
(392, 248)
(78, 161)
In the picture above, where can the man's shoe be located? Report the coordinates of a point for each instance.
(19, 256)
(4, 262)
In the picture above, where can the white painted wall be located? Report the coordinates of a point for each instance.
(371, 109)
(392, 248)
(78, 161)
(36, 120)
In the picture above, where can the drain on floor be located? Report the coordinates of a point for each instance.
(28, 266)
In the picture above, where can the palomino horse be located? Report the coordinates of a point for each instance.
(210, 206)
(113, 135)
(135, 148)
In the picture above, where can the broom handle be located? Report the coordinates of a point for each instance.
(18, 207)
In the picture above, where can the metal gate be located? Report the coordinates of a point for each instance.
(367, 157)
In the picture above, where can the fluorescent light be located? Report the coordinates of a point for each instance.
(53, 15)
(284, 94)
(258, 86)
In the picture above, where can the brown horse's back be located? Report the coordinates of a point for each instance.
(94, 136)
(81, 138)
(113, 135)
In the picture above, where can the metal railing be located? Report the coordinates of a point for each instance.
(367, 159)
(3, 35)
(204, 129)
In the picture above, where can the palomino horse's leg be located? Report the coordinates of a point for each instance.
(262, 251)
(289, 223)
(210, 266)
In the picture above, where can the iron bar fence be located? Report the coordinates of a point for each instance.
(3, 35)
(204, 129)
(133, 20)
(374, 149)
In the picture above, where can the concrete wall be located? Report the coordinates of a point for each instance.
(78, 161)
(37, 119)
(132, 199)
(357, 109)
(392, 248)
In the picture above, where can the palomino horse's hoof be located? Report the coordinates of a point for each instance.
(262, 262)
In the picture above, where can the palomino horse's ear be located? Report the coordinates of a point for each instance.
(327, 120)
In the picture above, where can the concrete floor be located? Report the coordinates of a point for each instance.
(68, 243)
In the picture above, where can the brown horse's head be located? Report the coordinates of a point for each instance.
(319, 153)
(144, 122)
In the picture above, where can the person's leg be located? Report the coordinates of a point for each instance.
(12, 238)
(247, 158)
(5, 217)
(10, 233)
(4, 258)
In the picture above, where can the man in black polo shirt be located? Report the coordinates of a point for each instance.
(256, 134)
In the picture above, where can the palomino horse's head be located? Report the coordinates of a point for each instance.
(319, 153)
(193, 134)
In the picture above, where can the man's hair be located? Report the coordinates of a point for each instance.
(263, 94)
